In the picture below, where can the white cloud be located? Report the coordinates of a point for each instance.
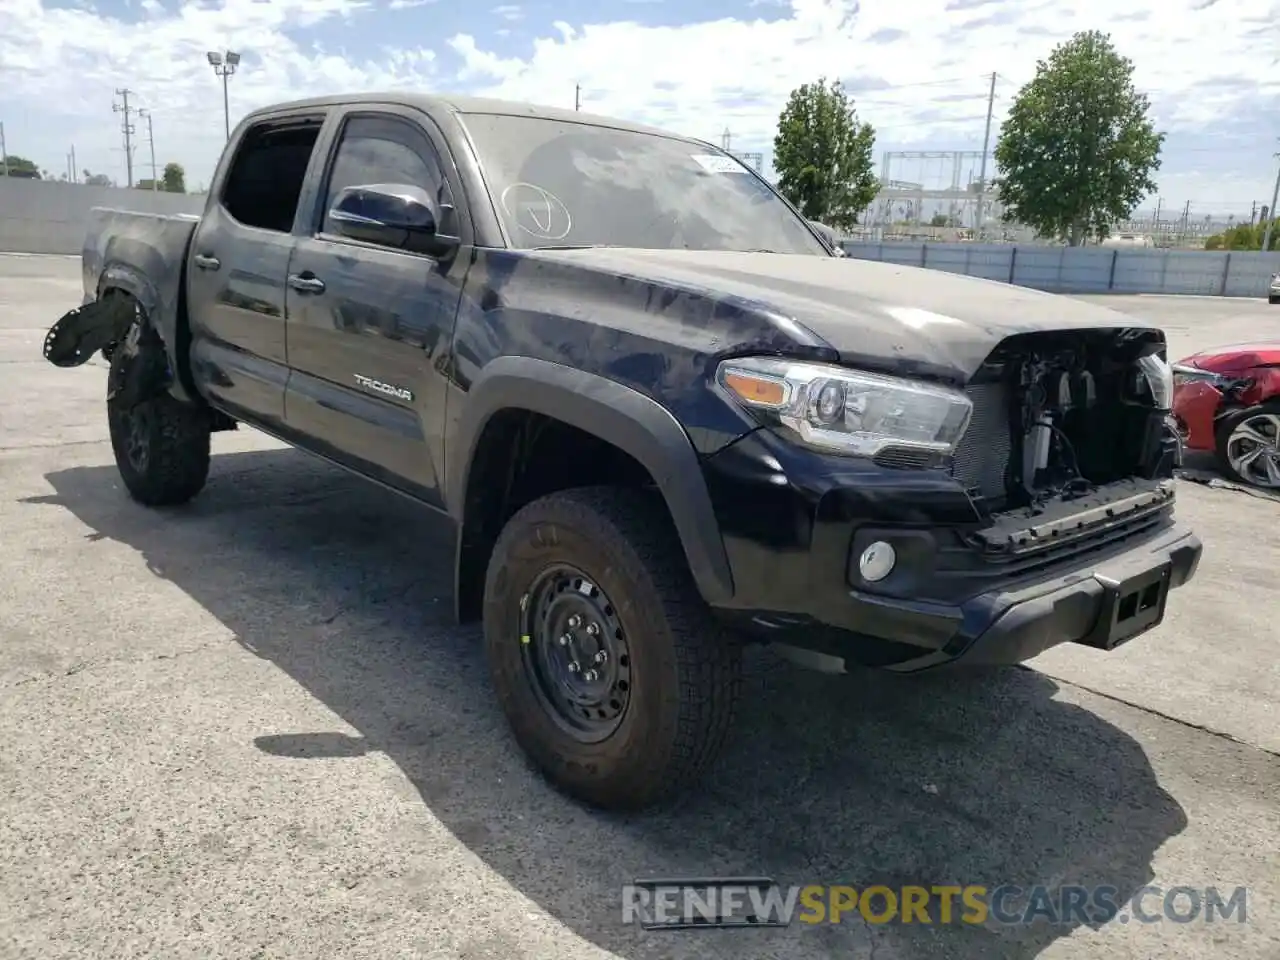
(59, 68)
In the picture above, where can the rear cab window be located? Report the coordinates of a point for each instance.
(268, 172)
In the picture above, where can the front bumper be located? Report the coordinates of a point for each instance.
(796, 580)
(1103, 608)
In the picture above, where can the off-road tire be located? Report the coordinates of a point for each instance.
(1224, 429)
(174, 435)
(686, 671)
(1273, 300)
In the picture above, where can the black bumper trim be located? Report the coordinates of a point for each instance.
(1008, 628)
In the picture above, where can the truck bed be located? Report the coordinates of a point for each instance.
(142, 253)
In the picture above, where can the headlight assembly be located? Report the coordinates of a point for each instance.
(1186, 374)
(847, 411)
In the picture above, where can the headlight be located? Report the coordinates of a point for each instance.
(1159, 377)
(847, 411)
(1185, 374)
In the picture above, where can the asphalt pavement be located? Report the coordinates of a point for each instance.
(247, 728)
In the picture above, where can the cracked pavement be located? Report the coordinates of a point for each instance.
(247, 728)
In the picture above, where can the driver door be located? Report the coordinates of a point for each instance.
(365, 322)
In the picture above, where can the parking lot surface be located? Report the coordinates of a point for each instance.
(248, 728)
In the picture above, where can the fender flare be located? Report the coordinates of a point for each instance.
(162, 316)
(626, 418)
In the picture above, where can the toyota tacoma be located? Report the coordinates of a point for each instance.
(663, 416)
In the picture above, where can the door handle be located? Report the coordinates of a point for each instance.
(306, 284)
(206, 262)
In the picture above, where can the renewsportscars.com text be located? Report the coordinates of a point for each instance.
(743, 902)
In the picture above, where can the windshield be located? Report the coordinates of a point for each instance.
(567, 184)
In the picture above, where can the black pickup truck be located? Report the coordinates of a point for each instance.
(663, 415)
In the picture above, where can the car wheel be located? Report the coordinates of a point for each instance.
(613, 675)
(1273, 300)
(1248, 445)
(161, 444)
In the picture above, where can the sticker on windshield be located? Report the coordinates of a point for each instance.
(715, 163)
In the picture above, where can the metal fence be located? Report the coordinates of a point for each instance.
(1219, 273)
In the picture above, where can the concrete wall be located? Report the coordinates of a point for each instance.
(1089, 269)
(38, 216)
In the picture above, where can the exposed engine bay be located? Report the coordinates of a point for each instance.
(1059, 415)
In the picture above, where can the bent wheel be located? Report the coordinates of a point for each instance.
(614, 677)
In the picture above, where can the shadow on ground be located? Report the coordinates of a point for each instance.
(979, 778)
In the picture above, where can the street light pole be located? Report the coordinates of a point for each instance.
(224, 65)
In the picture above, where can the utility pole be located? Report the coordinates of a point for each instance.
(1186, 222)
(986, 147)
(127, 128)
(4, 151)
(1253, 213)
(75, 174)
(151, 139)
(577, 96)
(1271, 213)
(726, 138)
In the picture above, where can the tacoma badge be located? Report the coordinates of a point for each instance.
(370, 384)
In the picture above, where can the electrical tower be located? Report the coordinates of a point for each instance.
(126, 128)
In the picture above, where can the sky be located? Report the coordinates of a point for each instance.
(919, 71)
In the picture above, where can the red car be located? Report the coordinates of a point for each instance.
(1227, 401)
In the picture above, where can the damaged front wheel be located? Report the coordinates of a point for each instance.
(161, 444)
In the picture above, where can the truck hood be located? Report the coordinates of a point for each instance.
(907, 319)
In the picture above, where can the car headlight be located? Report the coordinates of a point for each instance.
(1186, 374)
(848, 411)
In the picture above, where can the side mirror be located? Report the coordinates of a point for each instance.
(829, 236)
(395, 215)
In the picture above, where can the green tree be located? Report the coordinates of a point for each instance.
(1245, 236)
(20, 167)
(174, 178)
(823, 155)
(1076, 152)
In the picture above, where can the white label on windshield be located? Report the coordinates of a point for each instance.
(715, 163)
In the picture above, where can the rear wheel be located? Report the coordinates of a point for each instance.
(1248, 445)
(161, 444)
(613, 675)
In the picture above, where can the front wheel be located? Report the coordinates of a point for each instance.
(1248, 445)
(614, 677)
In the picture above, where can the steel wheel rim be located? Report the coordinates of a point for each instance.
(575, 653)
(1253, 450)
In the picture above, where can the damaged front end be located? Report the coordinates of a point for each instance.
(1071, 435)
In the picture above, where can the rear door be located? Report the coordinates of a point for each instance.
(238, 262)
(367, 323)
